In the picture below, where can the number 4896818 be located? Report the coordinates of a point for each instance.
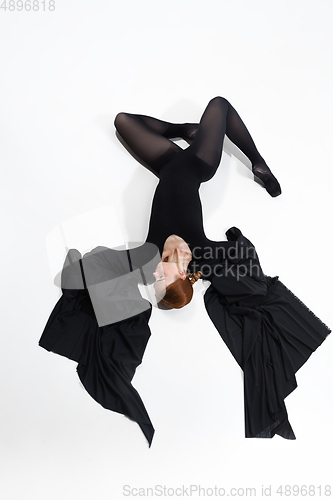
(27, 5)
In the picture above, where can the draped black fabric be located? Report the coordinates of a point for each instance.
(268, 330)
(99, 288)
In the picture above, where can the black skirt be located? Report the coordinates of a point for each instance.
(101, 322)
(269, 331)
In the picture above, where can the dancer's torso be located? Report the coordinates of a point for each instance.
(176, 207)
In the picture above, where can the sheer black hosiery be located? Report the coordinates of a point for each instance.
(220, 119)
(150, 138)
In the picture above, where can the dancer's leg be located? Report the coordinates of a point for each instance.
(218, 119)
(148, 137)
(170, 130)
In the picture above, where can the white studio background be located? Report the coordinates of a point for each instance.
(65, 74)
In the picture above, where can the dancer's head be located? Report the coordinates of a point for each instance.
(176, 286)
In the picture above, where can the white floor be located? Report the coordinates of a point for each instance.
(65, 74)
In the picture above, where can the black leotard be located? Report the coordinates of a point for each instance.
(176, 207)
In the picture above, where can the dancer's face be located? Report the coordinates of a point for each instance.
(165, 274)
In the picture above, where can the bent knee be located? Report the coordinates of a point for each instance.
(120, 120)
(221, 101)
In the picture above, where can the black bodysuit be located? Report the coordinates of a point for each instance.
(176, 207)
(269, 331)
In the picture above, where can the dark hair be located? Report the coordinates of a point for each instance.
(179, 293)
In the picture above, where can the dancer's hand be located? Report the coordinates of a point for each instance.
(177, 250)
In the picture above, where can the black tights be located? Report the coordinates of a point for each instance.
(149, 137)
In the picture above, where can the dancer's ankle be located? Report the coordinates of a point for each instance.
(261, 171)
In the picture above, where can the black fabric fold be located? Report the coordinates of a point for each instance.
(107, 355)
(270, 333)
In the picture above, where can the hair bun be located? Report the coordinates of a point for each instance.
(193, 277)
